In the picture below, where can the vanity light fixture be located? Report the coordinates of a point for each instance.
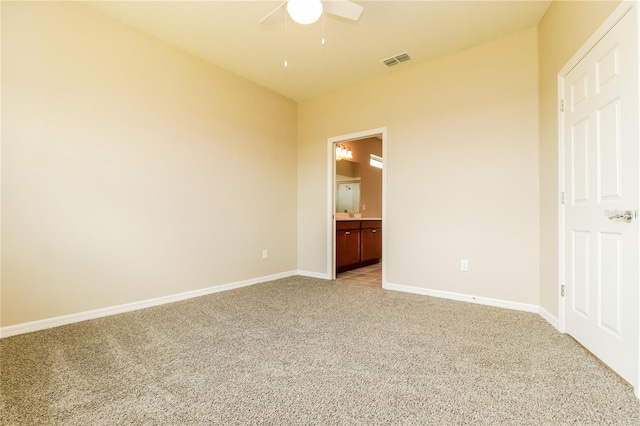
(343, 153)
(304, 11)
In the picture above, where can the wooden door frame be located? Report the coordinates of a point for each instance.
(331, 188)
(624, 8)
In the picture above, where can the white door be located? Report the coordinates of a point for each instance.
(601, 183)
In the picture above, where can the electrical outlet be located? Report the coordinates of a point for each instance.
(265, 254)
(464, 265)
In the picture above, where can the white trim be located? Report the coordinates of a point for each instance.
(517, 306)
(606, 26)
(636, 6)
(311, 274)
(561, 189)
(331, 228)
(546, 315)
(28, 327)
(331, 231)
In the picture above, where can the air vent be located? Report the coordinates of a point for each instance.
(395, 60)
(391, 62)
(403, 57)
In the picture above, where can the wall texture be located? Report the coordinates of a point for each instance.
(461, 169)
(561, 32)
(132, 170)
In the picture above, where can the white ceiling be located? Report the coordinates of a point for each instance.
(228, 34)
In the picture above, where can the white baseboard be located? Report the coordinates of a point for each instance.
(313, 274)
(463, 297)
(551, 319)
(28, 327)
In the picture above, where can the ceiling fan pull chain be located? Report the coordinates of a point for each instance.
(286, 22)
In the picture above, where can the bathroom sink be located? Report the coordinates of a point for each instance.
(348, 215)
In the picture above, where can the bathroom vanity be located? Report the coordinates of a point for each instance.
(358, 243)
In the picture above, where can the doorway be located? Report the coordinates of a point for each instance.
(600, 190)
(360, 213)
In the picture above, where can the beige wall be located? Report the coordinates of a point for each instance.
(461, 169)
(562, 31)
(116, 156)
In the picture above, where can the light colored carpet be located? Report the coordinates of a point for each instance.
(307, 351)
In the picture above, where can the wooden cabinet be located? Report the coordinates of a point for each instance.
(358, 243)
(371, 241)
(347, 243)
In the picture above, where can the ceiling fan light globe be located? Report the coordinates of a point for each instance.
(304, 11)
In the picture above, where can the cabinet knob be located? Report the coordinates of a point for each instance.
(347, 233)
(373, 231)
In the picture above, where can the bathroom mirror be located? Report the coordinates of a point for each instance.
(348, 197)
(347, 186)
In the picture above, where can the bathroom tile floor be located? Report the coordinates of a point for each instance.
(369, 275)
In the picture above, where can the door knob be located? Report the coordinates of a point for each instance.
(627, 216)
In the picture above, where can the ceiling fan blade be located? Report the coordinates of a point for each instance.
(275, 16)
(343, 8)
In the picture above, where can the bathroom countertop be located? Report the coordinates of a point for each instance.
(358, 218)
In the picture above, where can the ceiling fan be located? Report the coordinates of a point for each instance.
(309, 11)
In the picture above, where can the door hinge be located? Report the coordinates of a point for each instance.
(562, 105)
(562, 290)
(562, 197)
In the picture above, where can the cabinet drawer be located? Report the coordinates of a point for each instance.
(347, 224)
(371, 224)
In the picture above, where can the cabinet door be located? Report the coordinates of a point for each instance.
(347, 247)
(371, 244)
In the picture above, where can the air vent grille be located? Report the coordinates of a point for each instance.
(403, 57)
(395, 60)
